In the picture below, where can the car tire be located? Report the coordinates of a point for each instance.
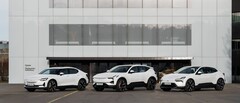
(166, 89)
(31, 89)
(98, 88)
(62, 89)
(121, 85)
(81, 84)
(220, 84)
(52, 85)
(151, 84)
(190, 85)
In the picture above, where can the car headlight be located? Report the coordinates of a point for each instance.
(113, 77)
(43, 79)
(180, 79)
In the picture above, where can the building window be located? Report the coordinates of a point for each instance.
(105, 3)
(165, 34)
(90, 34)
(59, 34)
(105, 34)
(134, 3)
(75, 3)
(149, 3)
(90, 3)
(75, 34)
(180, 3)
(135, 34)
(174, 35)
(119, 34)
(164, 3)
(180, 34)
(150, 34)
(60, 3)
(120, 3)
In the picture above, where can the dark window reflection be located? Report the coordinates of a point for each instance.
(119, 34)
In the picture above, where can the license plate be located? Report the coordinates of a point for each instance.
(99, 84)
(167, 83)
(30, 84)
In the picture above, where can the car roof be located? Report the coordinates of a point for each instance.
(132, 65)
(61, 67)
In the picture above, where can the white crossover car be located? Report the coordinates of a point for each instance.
(124, 77)
(191, 78)
(57, 78)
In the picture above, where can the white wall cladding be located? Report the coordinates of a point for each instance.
(210, 22)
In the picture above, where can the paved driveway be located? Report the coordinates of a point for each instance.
(17, 94)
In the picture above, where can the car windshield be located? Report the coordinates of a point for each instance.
(121, 69)
(186, 70)
(50, 71)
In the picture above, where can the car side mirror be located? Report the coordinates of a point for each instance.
(108, 71)
(61, 73)
(199, 73)
(131, 71)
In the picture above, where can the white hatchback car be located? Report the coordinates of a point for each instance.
(57, 78)
(191, 78)
(124, 77)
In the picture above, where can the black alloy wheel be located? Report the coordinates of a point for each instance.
(151, 84)
(220, 85)
(52, 85)
(190, 85)
(121, 85)
(81, 85)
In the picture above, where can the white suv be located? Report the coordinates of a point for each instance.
(124, 77)
(57, 78)
(191, 78)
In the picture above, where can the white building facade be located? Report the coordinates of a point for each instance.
(47, 32)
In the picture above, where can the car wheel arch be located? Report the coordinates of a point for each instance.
(54, 81)
(192, 80)
(218, 79)
(152, 77)
(123, 79)
(83, 80)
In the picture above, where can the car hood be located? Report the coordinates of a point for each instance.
(173, 76)
(106, 75)
(38, 76)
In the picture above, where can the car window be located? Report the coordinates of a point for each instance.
(207, 70)
(143, 69)
(65, 71)
(135, 69)
(73, 71)
(50, 71)
(213, 70)
(121, 69)
(189, 70)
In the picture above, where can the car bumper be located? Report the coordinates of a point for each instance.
(172, 84)
(37, 84)
(107, 83)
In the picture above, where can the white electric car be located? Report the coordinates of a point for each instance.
(124, 77)
(57, 78)
(191, 78)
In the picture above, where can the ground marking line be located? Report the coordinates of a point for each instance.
(54, 100)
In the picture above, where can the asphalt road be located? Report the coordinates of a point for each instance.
(17, 94)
